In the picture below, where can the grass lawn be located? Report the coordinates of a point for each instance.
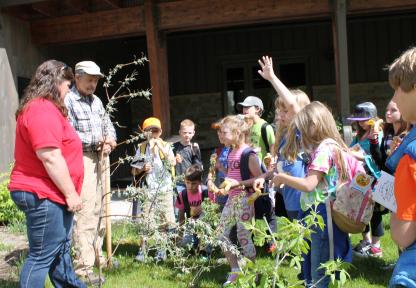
(368, 272)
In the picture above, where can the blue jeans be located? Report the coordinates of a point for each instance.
(49, 232)
(404, 274)
(319, 252)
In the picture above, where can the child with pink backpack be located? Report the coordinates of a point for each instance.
(313, 130)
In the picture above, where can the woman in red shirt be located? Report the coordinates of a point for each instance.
(47, 176)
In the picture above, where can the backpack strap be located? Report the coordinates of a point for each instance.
(264, 136)
(330, 228)
(143, 147)
(244, 164)
(204, 192)
(411, 150)
(187, 207)
(394, 158)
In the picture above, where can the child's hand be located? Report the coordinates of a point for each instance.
(147, 168)
(373, 134)
(266, 64)
(178, 158)
(258, 183)
(277, 181)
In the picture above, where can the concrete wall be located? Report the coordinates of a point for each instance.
(19, 59)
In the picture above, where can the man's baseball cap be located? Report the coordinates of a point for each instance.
(363, 111)
(251, 101)
(88, 67)
(151, 122)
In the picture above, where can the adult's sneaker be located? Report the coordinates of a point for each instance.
(361, 249)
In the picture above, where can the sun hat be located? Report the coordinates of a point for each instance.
(88, 67)
(363, 111)
(151, 122)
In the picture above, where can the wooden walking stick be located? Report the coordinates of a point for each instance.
(107, 199)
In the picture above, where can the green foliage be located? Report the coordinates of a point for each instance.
(9, 212)
(291, 242)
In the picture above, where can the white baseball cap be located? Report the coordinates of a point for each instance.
(251, 101)
(89, 67)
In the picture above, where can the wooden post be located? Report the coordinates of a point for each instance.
(339, 32)
(156, 49)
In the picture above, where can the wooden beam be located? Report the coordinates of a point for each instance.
(201, 14)
(7, 3)
(88, 27)
(339, 32)
(81, 6)
(113, 3)
(48, 9)
(189, 15)
(377, 6)
(156, 49)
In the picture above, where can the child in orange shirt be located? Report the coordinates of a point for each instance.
(402, 78)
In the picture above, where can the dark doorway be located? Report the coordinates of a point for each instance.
(241, 79)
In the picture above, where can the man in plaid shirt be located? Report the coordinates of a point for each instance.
(87, 115)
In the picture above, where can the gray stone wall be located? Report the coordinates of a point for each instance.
(380, 93)
(19, 58)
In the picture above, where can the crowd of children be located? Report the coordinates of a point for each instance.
(301, 165)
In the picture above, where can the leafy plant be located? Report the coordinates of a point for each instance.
(9, 212)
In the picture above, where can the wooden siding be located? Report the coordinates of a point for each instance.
(195, 59)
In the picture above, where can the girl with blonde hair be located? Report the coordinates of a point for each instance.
(288, 104)
(237, 211)
(314, 131)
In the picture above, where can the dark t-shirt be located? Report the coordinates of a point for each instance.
(190, 155)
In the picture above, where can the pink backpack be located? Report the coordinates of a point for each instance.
(352, 209)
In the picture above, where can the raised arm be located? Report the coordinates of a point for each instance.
(266, 64)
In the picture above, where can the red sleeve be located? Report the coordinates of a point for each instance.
(405, 189)
(179, 202)
(43, 127)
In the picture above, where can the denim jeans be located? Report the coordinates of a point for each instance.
(319, 253)
(49, 232)
(404, 274)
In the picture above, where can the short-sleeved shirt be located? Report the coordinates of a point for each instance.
(160, 178)
(322, 160)
(291, 196)
(257, 140)
(42, 125)
(190, 155)
(405, 188)
(194, 199)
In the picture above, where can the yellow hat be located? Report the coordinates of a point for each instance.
(151, 122)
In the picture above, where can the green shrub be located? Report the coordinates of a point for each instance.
(8, 210)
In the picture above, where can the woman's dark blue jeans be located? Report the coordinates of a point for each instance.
(49, 228)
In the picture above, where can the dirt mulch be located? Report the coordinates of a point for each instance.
(13, 246)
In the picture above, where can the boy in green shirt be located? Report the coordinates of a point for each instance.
(262, 134)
